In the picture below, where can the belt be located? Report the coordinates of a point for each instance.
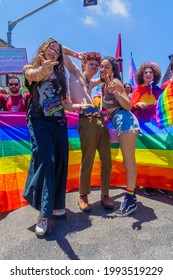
(113, 113)
(91, 115)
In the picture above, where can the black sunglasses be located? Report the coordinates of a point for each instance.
(13, 84)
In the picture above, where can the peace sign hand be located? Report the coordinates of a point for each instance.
(111, 85)
(46, 65)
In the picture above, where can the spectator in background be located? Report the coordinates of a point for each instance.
(128, 89)
(13, 100)
(3, 91)
(144, 97)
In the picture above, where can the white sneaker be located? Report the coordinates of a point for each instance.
(41, 226)
(59, 213)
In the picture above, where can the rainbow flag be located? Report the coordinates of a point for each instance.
(154, 157)
(132, 73)
(164, 107)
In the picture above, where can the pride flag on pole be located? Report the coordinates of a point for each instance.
(132, 72)
(118, 55)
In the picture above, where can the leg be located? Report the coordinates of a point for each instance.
(89, 141)
(40, 184)
(128, 144)
(106, 166)
(106, 161)
(61, 166)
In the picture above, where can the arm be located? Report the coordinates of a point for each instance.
(72, 53)
(69, 106)
(40, 73)
(119, 93)
(71, 67)
(95, 82)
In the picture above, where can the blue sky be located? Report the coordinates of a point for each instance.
(145, 27)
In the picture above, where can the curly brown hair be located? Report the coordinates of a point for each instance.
(58, 69)
(156, 72)
(91, 56)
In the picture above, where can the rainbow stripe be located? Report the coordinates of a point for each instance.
(154, 156)
(164, 108)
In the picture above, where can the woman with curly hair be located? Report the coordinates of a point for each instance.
(145, 96)
(117, 103)
(46, 182)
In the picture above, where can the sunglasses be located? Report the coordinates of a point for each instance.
(13, 84)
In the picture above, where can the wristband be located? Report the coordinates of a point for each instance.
(118, 94)
(76, 55)
(115, 92)
(78, 108)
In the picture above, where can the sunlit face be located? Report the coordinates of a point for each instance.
(105, 68)
(52, 52)
(91, 67)
(14, 85)
(148, 76)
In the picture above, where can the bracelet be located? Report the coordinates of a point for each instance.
(78, 108)
(115, 92)
(76, 55)
(118, 94)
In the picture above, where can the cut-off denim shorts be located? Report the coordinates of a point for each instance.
(124, 121)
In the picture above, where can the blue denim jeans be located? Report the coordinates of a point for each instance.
(45, 187)
(124, 120)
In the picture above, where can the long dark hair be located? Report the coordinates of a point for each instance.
(115, 68)
(58, 69)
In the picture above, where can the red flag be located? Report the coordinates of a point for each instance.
(118, 54)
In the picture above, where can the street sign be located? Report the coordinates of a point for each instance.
(90, 3)
(12, 60)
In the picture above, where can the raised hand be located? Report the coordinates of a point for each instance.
(47, 65)
(82, 55)
(111, 83)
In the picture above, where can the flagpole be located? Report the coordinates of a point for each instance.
(118, 56)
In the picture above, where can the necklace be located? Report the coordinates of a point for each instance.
(87, 82)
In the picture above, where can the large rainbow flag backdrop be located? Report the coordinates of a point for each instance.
(154, 156)
(164, 108)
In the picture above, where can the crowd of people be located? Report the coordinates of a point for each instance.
(45, 104)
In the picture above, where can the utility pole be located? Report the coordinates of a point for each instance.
(12, 24)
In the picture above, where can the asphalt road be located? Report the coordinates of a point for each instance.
(146, 234)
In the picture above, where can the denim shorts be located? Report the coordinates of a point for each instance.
(124, 121)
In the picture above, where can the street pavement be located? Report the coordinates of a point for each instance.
(146, 234)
